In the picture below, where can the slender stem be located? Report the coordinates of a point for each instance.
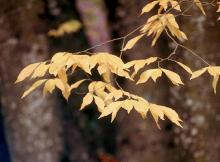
(186, 48)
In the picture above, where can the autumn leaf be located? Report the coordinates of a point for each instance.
(158, 112)
(214, 82)
(49, 86)
(26, 72)
(149, 7)
(33, 87)
(66, 27)
(199, 5)
(132, 42)
(185, 67)
(173, 77)
(77, 84)
(152, 73)
(100, 103)
(86, 100)
(198, 73)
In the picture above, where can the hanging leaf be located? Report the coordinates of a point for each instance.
(152, 73)
(158, 112)
(26, 72)
(111, 109)
(100, 103)
(174, 77)
(198, 73)
(132, 42)
(49, 86)
(215, 72)
(214, 82)
(40, 70)
(77, 84)
(128, 105)
(86, 100)
(149, 7)
(33, 87)
(199, 5)
(184, 67)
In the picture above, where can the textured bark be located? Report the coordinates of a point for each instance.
(138, 139)
(78, 147)
(199, 140)
(32, 126)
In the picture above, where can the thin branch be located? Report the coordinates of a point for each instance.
(186, 48)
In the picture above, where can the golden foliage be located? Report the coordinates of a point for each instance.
(214, 71)
(109, 99)
(66, 27)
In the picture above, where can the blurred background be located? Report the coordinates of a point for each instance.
(38, 129)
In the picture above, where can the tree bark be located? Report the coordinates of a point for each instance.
(196, 103)
(138, 139)
(32, 125)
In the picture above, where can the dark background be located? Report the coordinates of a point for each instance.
(49, 129)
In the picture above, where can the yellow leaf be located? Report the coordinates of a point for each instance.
(214, 82)
(66, 27)
(141, 107)
(86, 100)
(62, 75)
(175, 5)
(151, 60)
(40, 71)
(114, 113)
(102, 69)
(132, 42)
(58, 62)
(49, 86)
(91, 87)
(158, 33)
(158, 112)
(33, 87)
(111, 109)
(154, 73)
(144, 77)
(64, 87)
(184, 67)
(139, 65)
(199, 5)
(59, 84)
(100, 103)
(77, 84)
(149, 7)
(214, 70)
(117, 94)
(172, 115)
(197, 73)
(174, 77)
(128, 105)
(26, 72)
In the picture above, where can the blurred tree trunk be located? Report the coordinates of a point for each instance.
(199, 140)
(138, 139)
(94, 17)
(32, 126)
